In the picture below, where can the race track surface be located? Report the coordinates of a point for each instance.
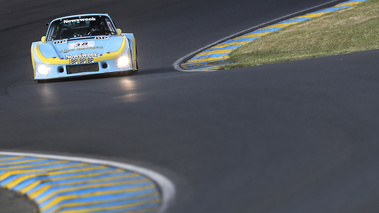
(293, 137)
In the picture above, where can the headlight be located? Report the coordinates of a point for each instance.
(123, 62)
(43, 69)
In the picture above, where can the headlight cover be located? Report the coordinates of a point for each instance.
(42, 69)
(123, 62)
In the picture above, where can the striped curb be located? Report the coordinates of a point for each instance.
(67, 186)
(217, 55)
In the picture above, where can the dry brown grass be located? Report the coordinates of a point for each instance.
(349, 30)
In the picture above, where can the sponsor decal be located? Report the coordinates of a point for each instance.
(109, 25)
(89, 55)
(81, 60)
(81, 44)
(87, 48)
(67, 21)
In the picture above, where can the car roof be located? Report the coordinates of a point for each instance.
(74, 16)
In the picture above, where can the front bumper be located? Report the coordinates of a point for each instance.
(63, 71)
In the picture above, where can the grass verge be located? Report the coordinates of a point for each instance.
(349, 30)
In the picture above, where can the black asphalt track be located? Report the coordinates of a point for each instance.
(293, 137)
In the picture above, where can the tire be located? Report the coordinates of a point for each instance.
(136, 68)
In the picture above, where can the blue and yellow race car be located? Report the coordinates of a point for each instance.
(83, 45)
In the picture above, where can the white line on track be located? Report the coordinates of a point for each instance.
(165, 185)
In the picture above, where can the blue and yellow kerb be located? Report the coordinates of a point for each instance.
(77, 187)
(218, 55)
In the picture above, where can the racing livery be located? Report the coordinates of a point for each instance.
(83, 45)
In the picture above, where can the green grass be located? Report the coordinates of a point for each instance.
(349, 30)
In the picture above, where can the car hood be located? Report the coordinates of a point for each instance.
(91, 47)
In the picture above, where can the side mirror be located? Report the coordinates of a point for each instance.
(119, 31)
(43, 39)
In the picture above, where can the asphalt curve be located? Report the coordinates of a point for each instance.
(293, 137)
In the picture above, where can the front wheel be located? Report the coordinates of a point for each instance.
(136, 68)
(136, 63)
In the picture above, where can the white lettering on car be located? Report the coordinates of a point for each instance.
(66, 21)
(88, 55)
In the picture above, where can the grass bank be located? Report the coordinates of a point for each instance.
(349, 30)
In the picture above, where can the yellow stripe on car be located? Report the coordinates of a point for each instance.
(53, 61)
(113, 55)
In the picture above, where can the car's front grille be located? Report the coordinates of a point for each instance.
(72, 69)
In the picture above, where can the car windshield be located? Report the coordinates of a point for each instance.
(80, 27)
